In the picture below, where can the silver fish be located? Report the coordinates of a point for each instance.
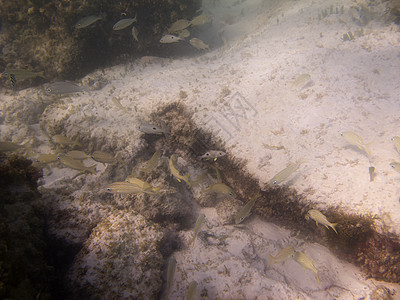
(198, 44)
(245, 211)
(306, 263)
(76, 154)
(87, 21)
(200, 20)
(170, 273)
(197, 227)
(63, 87)
(65, 141)
(105, 157)
(135, 33)
(21, 74)
(396, 141)
(9, 146)
(320, 218)
(354, 139)
(151, 163)
(191, 290)
(212, 154)
(122, 24)
(123, 187)
(152, 129)
(285, 173)
(76, 164)
(169, 38)
(395, 165)
(179, 26)
(283, 255)
(221, 189)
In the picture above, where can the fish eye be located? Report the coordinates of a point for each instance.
(108, 189)
(275, 182)
(58, 157)
(48, 89)
(154, 128)
(207, 154)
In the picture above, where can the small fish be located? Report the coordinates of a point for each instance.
(175, 172)
(119, 105)
(9, 146)
(170, 273)
(200, 20)
(212, 154)
(318, 217)
(145, 186)
(169, 38)
(302, 81)
(371, 173)
(283, 255)
(153, 129)
(152, 163)
(65, 141)
(135, 33)
(198, 44)
(76, 164)
(395, 165)
(184, 33)
(105, 157)
(122, 24)
(245, 211)
(63, 87)
(87, 21)
(191, 290)
(13, 80)
(396, 141)
(21, 74)
(306, 263)
(355, 140)
(78, 155)
(179, 26)
(285, 173)
(46, 158)
(197, 227)
(220, 188)
(123, 187)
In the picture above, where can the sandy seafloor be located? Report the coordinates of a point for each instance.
(243, 93)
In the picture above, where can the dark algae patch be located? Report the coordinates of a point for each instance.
(24, 273)
(357, 241)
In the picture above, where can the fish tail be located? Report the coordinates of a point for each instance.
(76, 143)
(319, 282)
(271, 260)
(92, 169)
(333, 227)
(366, 149)
(187, 180)
(40, 74)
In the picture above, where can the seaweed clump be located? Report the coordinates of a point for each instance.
(357, 240)
(23, 270)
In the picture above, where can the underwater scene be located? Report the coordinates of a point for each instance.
(200, 149)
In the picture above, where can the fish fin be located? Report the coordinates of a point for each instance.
(178, 180)
(333, 227)
(187, 180)
(271, 261)
(40, 74)
(215, 159)
(92, 169)
(366, 149)
(316, 223)
(319, 282)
